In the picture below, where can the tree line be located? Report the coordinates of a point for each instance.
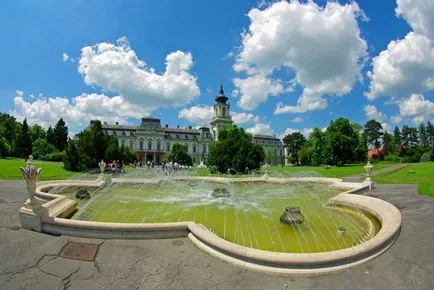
(343, 142)
(21, 140)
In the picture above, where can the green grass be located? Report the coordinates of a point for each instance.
(10, 169)
(334, 171)
(417, 173)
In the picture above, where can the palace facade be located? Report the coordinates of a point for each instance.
(153, 142)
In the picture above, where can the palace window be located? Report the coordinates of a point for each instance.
(194, 148)
(150, 145)
(186, 146)
(168, 146)
(141, 144)
(158, 145)
(123, 143)
(131, 145)
(204, 148)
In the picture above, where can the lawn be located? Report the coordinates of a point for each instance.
(10, 169)
(289, 171)
(417, 173)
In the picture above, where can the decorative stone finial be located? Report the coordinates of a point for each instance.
(30, 174)
(102, 165)
(368, 168)
(222, 92)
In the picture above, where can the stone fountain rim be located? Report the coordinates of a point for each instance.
(255, 259)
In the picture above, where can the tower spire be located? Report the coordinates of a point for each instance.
(222, 92)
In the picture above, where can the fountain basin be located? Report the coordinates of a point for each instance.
(253, 258)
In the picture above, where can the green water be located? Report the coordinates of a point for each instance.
(249, 217)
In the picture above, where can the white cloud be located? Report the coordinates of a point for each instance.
(417, 107)
(419, 14)
(203, 114)
(240, 118)
(321, 45)
(406, 67)
(255, 90)
(305, 131)
(77, 112)
(373, 113)
(65, 57)
(116, 68)
(297, 120)
(405, 70)
(261, 129)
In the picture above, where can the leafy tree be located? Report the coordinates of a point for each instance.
(389, 143)
(10, 131)
(72, 159)
(113, 151)
(361, 151)
(318, 150)
(430, 133)
(4, 147)
(423, 135)
(235, 149)
(180, 155)
(25, 145)
(50, 136)
(37, 132)
(342, 140)
(397, 137)
(374, 133)
(294, 142)
(41, 148)
(60, 134)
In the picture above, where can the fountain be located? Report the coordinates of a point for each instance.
(232, 218)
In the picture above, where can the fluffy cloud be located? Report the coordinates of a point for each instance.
(305, 131)
(260, 128)
(77, 112)
(202, 115)
(321, 45)
(297, 120)
(417, 107)
(65, 57)
(255, 90)
(116, 68)
(419, 14)
(372, 113)
(405, 70)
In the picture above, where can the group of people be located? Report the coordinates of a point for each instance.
(168, 167)
(116, 167)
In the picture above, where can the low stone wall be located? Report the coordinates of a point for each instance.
(255, 259)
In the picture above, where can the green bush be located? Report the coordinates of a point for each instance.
(392, 158)
(55, 156)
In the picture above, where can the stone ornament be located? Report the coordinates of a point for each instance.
(30, 174)
(368, 168)
(102, 165)
(291, 216)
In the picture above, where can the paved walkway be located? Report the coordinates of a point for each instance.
(360, 177)
(30, 260)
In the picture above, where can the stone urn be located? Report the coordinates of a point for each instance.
(30, 174)
(368, 168)
(220, 192)
(292, 215)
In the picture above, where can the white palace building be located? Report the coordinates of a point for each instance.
(153, 142)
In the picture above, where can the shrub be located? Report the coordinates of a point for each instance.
(55, 156)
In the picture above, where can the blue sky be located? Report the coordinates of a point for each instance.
(45, 74)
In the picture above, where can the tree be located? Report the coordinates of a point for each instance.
(374, 133)
(179, 154)
(60, 134)
(72, 160)
(235, 149)
(37, 132)
(4, 147)
(423, 136)
(342, 140)
(10, 131)
(41, 148)
(50, 136)
(361, 151)
(294, 142)
(25, 145)
(397, 138)
(430, 133)
(389, 143)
